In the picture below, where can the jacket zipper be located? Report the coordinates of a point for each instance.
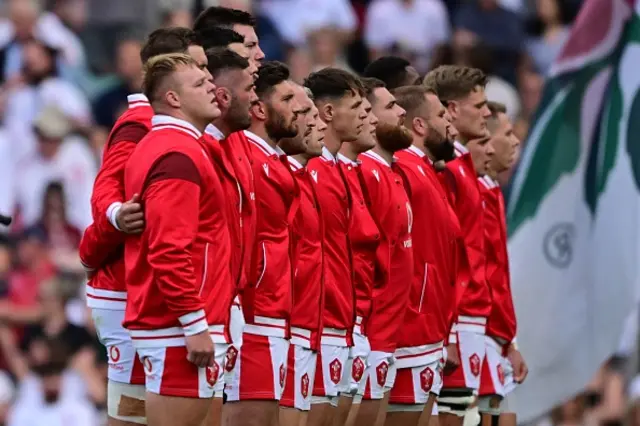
(424, 285)
(206, 267)
(264, 265)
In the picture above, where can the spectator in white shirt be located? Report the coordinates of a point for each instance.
(41, 87)
(415, 29)
(59, 157)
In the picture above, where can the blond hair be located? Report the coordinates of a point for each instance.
(496, 109)
(158, 68)
(453, 82)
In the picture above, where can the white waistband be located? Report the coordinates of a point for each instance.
(301, 337)
(334, 337)
(266, 326)
(171, 337)
(106, 299)
(416, 356)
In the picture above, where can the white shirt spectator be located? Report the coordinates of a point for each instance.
(294, 19)
(73, 166)
(417, 27)
(25, 104)
(7, 162)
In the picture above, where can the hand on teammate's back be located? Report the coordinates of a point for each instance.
(200, 349)
(130, 217)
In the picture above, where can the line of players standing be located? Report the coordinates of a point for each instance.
(324, 254)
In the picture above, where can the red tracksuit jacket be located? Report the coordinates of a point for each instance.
(237, 201)
(307, 242)
(502, 320)
(102, 245)
(334, 200)
(365, 239)
(390, 208)
(177, 271)
(267, 298)
(235, 148)
(461, 182)
(429, 315)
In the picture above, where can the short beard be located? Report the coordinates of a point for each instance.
(439, 146)
(276, 126)
(237, 117)
(393, 138)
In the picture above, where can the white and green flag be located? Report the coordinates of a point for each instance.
(574, 208)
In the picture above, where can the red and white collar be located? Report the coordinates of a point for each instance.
(346, 160)
(419, 153)
(161, 122)
(295, 164)
(377, 157)
(215, 132)
(327, 155)
(460, 149)
(263, 145)
(488, 182)
(137, 100)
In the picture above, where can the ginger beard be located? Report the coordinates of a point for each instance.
(440, 146)
(393, 137)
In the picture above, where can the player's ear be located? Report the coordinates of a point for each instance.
(453, 108)
(419, 126)
(259, 111)
(172, 99)
(326, 112)
(223, 97)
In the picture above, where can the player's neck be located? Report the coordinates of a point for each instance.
(419, 144)
(258, 129)
(332, 142)
(301, 158)
(387, 155)
(222, 125)
(347, 149)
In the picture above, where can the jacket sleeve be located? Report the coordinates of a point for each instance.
(172, 206)
(102, 238)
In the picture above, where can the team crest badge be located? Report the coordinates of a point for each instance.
(265, 166)
(426, 379)
(212, 374)
(283, 374)
(314, 175)
(304, 385)
(501, 374)
(474, 362)
(381, 373)
(375, 173)
(335, 371)
(461, 170)
(421, 170)
(231, 358)
(357, 369)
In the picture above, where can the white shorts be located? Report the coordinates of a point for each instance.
(471, 350)
(379, 376)
(330, 367)
(356, 365)
(301, 372)
(496, 377)
(169, 373)
(124, 364)
(262, 367)
(231, 376)
(414, 385)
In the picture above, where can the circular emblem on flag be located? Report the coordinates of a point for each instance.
(114, 354)
(304, 385)
(335, 371)
(212, 373)
(474, 363)
(357, 369)
(426, 379)
(230, 359)
(381, 373)
(558, 244)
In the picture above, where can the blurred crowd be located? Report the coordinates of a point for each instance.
(66, 67)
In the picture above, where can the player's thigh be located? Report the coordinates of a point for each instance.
(125, 404)
(251, 413)
(164, 410)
